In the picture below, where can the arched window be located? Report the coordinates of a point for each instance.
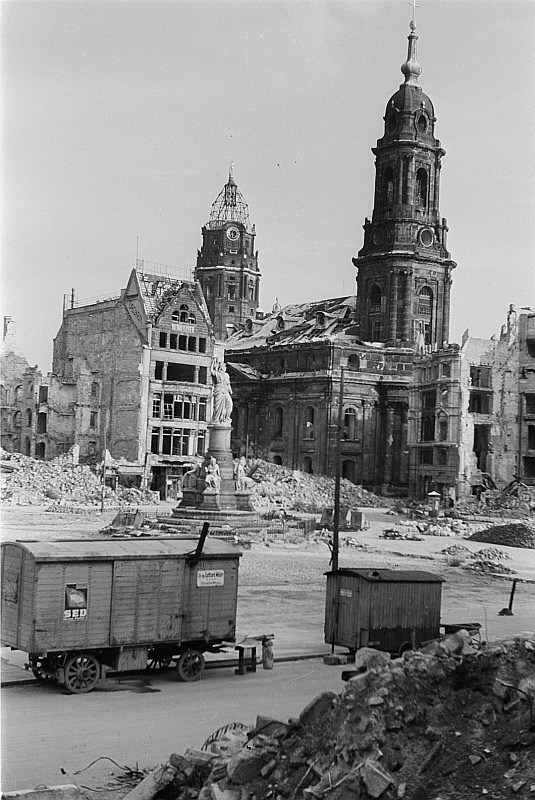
(425, 301)
(28, 446)
(17, 419)
(95, 390)
(278, 420)
(309, 422)
(353, 362)
(277, 460)
(307, 465)
(350, 424)
(375, 299)
(18, 393)
(40, 449)
(388, 186)
(28, 418)
(421, 187)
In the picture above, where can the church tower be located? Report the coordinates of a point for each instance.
(404, 268)
(227, 264)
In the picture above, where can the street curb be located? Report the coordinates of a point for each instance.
(209, 665)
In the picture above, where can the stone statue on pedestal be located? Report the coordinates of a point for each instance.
(222, 393)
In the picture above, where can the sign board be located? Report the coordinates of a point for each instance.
(346, 592)
(211, 577)
(75, 602)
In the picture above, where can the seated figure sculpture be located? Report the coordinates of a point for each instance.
(212, 477)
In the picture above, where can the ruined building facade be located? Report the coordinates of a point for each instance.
(131, 374)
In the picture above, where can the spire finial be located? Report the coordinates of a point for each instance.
(231, 172)
(414, 7)
(411, 69)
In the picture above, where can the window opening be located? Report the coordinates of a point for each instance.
(421, 187)
(163, 339)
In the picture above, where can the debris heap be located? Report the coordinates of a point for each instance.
(451, 717)
(515, 534)
(276, 486)
(58, 484)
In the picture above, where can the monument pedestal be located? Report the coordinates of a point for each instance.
(219, 433)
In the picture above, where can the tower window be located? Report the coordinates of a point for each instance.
(422, 123)
(309, 422)
(388, 186)
(375, 300)
(376, 331)
(278, 422)
(421, 188)
(425, 301)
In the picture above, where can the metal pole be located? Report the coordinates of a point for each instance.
(338, 465)
(513, 587)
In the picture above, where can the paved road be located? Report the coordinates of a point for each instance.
(142, 721)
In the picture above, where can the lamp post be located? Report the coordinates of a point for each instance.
(338, 469)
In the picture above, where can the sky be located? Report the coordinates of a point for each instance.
(120, 120)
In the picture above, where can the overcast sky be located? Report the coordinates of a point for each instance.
(120, 120)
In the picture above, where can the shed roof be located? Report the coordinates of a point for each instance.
(390, 575)
(124, 549)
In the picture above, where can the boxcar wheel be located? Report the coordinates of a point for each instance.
(190, 665)
(82, 672)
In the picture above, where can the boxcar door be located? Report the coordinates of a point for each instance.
(146, 604)
(11, 594)
(210, 589)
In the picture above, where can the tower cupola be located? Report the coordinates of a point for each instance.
(404, 267)
(227, 263)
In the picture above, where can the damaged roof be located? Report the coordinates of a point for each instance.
(296, 324)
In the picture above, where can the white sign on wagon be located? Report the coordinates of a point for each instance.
(211, 577)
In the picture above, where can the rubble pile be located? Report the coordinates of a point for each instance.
(279, 487)
(514, 534)
(487, 566)
(450, 716)
(58, 484)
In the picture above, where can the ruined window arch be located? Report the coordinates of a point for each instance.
(421, 187)
(29, 417)
(278, 422)
(277, 460)
(307, 465)
(353, 362)
(309, 422)
(348, 470)
(350, 423)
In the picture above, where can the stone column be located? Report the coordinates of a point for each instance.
(388, 440)
(445, 332)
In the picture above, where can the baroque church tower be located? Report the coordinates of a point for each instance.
(227, 263)
(404, 267)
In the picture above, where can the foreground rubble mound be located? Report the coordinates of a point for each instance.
(276, 486)
(515, 534)
(447, 722)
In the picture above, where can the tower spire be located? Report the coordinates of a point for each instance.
(411, 69)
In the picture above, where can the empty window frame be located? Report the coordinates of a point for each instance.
(350, 424)
(309, 422)
(278, 422)
(163, 339)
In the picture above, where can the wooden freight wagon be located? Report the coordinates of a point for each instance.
(392, 610)
(79, 607)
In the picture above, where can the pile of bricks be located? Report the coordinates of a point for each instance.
(515, 534)
(454, 716)
(279, 487)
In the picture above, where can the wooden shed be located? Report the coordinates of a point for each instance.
(391, 610)
(124, 602)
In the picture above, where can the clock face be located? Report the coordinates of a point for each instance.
(233, 234)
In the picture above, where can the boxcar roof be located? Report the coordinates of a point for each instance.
(390, 575)
(109, 550)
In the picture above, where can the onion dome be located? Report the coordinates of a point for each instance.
(229, 205)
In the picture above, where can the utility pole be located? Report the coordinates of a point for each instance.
(338, 470)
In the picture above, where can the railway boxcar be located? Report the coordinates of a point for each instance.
(79, 607)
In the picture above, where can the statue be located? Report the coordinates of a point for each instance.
(243, 482)
(222, 392)
(212, 477)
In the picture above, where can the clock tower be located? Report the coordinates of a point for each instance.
(227, 263)
(404, 268)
